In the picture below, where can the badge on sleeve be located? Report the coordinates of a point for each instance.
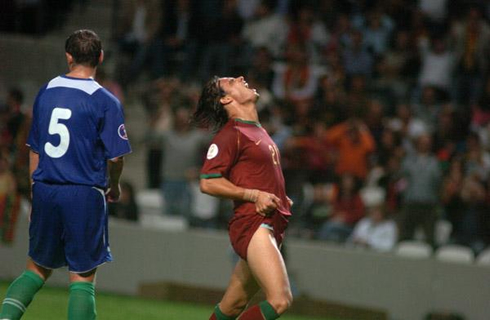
(121, 131)
(212, 151)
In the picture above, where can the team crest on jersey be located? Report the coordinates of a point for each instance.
(121, 131)
(212, 151)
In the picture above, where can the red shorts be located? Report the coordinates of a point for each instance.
(242, 228)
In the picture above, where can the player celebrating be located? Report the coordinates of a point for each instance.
(243, 164)
(77, 127)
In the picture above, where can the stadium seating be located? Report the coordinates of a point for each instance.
(442, 232)
(455, 253)
(484, 257)
(151, 202)
(413, 249)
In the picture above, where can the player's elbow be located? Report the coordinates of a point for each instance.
(205, 186)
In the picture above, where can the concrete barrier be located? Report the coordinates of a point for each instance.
(406, 288)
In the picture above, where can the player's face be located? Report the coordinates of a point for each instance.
(238, 90)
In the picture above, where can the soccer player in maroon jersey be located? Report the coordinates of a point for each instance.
(243, 164)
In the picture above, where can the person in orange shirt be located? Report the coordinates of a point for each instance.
(354, 144)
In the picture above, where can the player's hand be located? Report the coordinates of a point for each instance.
(113, 193)
(291, 202)
(266, 203)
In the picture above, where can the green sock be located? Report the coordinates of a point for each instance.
(268, 311)
(220, 315)
(20, 294)
(81, 305)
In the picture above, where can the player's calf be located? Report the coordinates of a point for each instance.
(20, 294)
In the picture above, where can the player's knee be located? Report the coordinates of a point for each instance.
(282, 303)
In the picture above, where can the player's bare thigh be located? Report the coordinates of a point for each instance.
(83, 277)
(267, 265)
(241, 289)
(44, 273)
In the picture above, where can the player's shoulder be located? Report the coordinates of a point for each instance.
(106, 96)
(229, 129)
(87, 85)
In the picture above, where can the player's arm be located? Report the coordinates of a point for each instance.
(115, 168)
(33, 163)
(265, 203)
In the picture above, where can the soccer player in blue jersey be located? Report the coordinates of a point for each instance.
(77, 139)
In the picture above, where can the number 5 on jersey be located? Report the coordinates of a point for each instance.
(55, 127)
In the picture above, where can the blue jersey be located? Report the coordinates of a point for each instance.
(77, 126)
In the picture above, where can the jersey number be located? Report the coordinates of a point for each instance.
(274, 154)
(60, 129)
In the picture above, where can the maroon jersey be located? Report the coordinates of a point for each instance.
(244, 153)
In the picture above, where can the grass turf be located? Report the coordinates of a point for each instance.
(51, 304)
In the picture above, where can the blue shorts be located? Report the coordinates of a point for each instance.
(68, 227)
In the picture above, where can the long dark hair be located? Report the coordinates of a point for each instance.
(210, 113)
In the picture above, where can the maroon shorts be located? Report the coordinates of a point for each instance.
(242, 228)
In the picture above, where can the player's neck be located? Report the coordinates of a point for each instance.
(81, 72)
(247, 113)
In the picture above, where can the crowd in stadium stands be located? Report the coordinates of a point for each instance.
(380, 108)
(14, 160)
(35, 17)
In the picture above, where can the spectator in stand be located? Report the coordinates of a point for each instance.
(261, 69)
(9, 201)
(139, 36)
(315, 152)
(377, 28)
(159, 99)
(18, 124)
(375, 231)
(356, 58)
(307, 30)
(435, 11)
(471, 229)
(472, 44)
(318, 208)
(429, 107)
(354, 144)
(347, 210)
(329, 101)
(407, 126)
(422, 178)
(222, 41)
(182, 146)
(438, 64)
(247, 8)
(126, 208)
(388, 146)
(297, 80)
(480, 115)
(341, 33)
(451, 197)
(179, 35)
(268, 29)
(396, 68)
(477, 160)
(374, 119)
(357, 96)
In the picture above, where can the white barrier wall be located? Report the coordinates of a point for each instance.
(406, 288)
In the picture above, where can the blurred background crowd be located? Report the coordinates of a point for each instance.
(380, 108)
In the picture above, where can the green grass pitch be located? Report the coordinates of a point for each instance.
(51, 304)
